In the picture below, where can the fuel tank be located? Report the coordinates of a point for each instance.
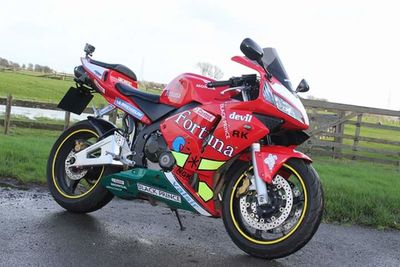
(189, 87)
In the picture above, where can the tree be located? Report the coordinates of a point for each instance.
(210, 70)
(30, 66)
(23, 66)
(4, 62)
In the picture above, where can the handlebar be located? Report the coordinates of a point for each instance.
(234, 81)
(219, 83)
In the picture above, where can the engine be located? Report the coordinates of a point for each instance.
(156, 151)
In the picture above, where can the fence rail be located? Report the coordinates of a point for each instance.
(337, 130)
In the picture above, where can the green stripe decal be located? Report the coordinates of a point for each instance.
(180, 158)
(206, 164)
(205, 192)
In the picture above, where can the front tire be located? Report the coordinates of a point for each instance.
(257, 230)
(76, 190)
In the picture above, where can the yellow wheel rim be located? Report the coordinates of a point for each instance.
(54, 163)
(270, 242)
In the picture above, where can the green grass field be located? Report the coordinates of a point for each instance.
(355, 192)
(29, 86)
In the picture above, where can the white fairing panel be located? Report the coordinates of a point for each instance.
(292, 98)
(96, 70)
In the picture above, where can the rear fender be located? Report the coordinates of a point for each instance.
(271, 158)
(101, 126)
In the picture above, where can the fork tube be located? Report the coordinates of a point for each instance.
(261, 188)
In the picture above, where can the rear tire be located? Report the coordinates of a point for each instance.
(64, 189)
(297, 236)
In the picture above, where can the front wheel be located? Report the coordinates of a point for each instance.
(286, 223)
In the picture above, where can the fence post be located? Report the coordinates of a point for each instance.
(67, 119)
(339, 131)
(357, 133)
(7, 117)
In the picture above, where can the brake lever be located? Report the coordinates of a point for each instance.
(238, 88)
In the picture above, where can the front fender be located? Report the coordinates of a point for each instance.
(271, 158)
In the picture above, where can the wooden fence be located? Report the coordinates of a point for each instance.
(337, 130)
(8, 122)
(354, 132)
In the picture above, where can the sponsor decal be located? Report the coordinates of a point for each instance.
(129, 108)
(159, 193)
(204, 86)
(185, 174)
(204, 114)
(117, 184)
(99, 87)
(224, 122)
(117, 181)
(239, 134)
(237, 117)
(124, 81)
(185, 195)
(270, 161)
(194, 162)
(202, 132)
(178, 143)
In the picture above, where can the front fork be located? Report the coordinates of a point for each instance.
(261, 187)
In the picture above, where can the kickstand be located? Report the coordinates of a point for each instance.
(179, 219)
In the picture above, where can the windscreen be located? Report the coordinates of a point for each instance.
(275, 67)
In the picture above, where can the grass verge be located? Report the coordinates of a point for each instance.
(355, 192)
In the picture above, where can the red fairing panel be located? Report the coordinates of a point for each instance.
(271, 158)
(105, 81)
(189, 87)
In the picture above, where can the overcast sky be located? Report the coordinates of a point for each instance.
(347, 50)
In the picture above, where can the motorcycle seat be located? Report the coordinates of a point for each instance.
(117, 67)
(130, 91)
(148, 103)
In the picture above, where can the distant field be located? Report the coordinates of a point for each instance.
(28, 85)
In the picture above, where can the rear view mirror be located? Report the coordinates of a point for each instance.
(302, 87)
(251, 49)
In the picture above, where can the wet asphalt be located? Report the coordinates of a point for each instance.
(35, 231)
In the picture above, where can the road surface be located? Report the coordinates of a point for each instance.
(36, 231)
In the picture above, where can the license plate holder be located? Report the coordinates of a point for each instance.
(75, 100)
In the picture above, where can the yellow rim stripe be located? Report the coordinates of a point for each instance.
(180, 158)
(206, 164)
(54, 163)
(283, 237)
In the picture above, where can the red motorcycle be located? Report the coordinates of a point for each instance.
(217, 148)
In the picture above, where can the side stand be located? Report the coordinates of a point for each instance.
(179, 219)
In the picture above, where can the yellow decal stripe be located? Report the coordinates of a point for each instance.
(180, 158)
(206, 164)
(205, 192)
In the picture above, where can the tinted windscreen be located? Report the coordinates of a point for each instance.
(275, 67)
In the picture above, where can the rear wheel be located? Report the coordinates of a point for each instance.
(287, 223)
(76, 189)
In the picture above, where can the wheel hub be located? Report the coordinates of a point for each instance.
(270, 217)
(73, 173)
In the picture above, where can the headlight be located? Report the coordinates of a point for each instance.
(285, 107)
(267, 93)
